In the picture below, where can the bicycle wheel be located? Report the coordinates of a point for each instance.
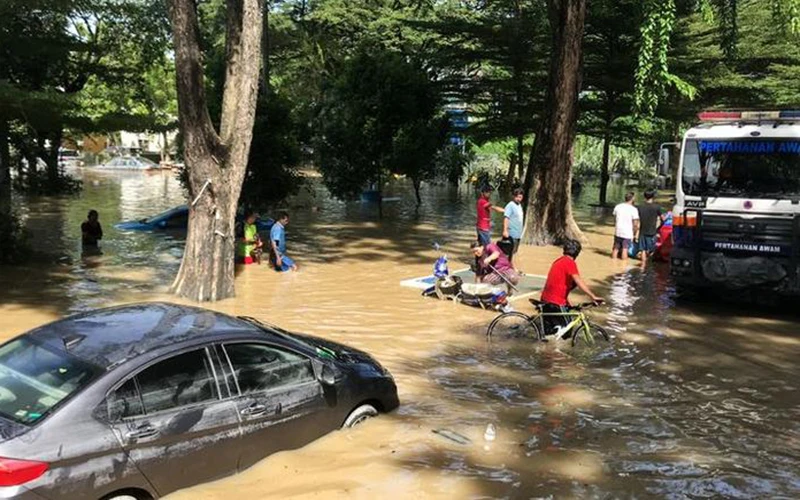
(513, 324)
(595, 333)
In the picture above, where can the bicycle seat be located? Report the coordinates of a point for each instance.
(536, 303)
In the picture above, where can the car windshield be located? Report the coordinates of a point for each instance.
(34, 379)
(743, 168)
(147, 162)
(158, 216)
(321, 351)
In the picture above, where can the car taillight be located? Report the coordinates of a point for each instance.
(15, 472)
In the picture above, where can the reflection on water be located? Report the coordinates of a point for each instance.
(689, 400)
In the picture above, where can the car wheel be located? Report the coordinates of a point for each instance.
(359, 415)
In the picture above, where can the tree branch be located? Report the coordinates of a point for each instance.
(243, 46)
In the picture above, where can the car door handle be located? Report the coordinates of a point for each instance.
(144, 431)
(253, 410)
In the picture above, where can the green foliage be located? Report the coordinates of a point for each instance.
(610, 52)
(453, 161)
(652, 73)
(78, 66)
(274, 154)
(374, 113)
(588, 152)
(492, 56)
(762, 74)
(787, 14)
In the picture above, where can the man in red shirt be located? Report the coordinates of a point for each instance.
(484, 208)
(561, 280)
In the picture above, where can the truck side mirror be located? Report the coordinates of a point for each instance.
(663, 161)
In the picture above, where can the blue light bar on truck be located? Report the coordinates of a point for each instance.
(735, 116)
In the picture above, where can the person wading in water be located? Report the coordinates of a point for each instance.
(484, 208)
(91, 230)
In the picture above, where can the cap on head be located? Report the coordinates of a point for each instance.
(572, 248)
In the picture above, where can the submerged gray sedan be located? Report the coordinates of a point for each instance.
(137, 401)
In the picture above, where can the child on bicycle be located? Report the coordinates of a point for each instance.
(561, 280)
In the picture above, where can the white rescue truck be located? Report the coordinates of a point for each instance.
(737, 213)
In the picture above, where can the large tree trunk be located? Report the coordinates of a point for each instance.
(51, 158)
(164, 147)
(512, 168)
(5, 169)
(604, 167)
(5, 160)
(215, 162)
(549, 215)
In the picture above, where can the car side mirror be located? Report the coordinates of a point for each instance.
(327, 375)
(663, 161)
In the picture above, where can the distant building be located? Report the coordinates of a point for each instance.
(122, 142)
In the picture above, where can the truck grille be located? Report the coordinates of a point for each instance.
(768, 230)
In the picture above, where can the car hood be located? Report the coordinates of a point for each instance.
(10, 429)
(344, 353)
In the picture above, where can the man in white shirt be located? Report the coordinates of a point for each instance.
(626, 228)
(513, 221)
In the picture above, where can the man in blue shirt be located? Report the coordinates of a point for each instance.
(277, 240)
(513, 221)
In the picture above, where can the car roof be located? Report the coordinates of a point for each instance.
(107, 337)
(179, 210)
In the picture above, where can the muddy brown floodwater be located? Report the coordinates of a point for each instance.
(690, 400)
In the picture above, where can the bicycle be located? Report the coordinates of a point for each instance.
(520, 325)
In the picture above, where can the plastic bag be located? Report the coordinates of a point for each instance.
(633, 248)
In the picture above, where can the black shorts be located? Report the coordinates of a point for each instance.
(552, 323)
(622, 244)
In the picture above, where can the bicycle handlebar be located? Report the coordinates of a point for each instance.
(588, 305)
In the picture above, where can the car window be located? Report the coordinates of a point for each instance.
(181, 380)
(259, 367)
(35, 378)
(125, 401)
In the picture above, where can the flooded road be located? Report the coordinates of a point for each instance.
(688, 401)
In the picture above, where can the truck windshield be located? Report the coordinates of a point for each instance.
(742, 168)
